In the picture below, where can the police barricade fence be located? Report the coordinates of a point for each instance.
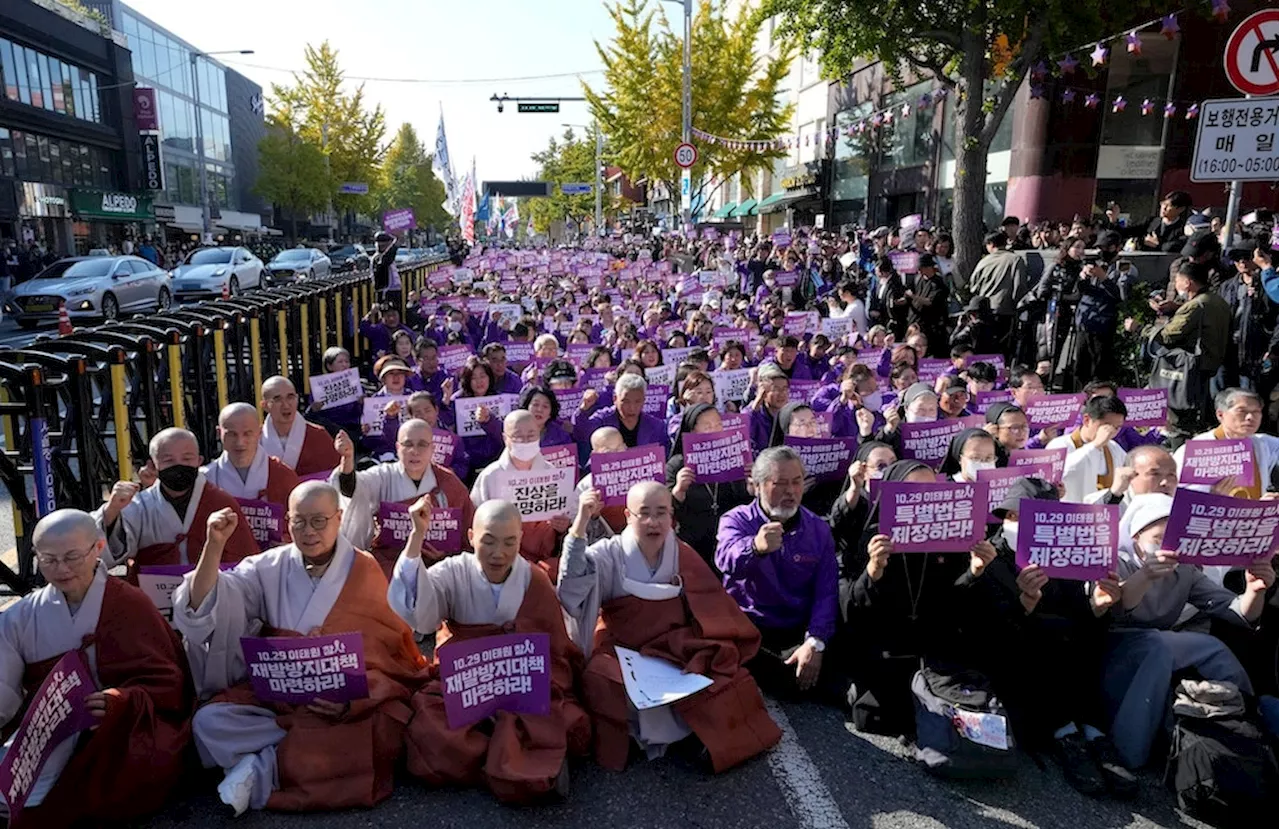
(77, 410)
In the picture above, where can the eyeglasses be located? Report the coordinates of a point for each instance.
(1018, 428)
(420, 445)
(70, 559)
(315, 522)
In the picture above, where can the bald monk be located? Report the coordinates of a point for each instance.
(494, 590)
(648, 591)
(165, 523)
(522, 452)
(303, 447)
(605, 439)
(128, 765)
(403, 481)
(325, 755)
(244, 470)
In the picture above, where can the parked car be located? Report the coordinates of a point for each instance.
(205, 271)
(349, 257)
(297, 264)
(92, 287)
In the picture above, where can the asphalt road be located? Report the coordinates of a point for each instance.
(822, 776)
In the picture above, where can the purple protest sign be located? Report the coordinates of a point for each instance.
(933, 518)
(781, 238)
(1053, 410)
(655, 399)
(984, 400)
(570, 401)
(870, 357)
(480, 677)
(595, 378)
(825, 459)
(1000, 480)
(733, 420)
(265, 520)
(905, 261)
(797, 323)
(718, 457)
(55, 712)
(444, 534)
(800, 391)
(614, 473)
(996, 360)
(518, 354)
(454, 357)
(928, 442)
(444, 445)
(399, 219)
(564, 456)
(929, 369)
(1146, 407)
(1055, 458)
(1068, 541)
(299, 669)
(1209, 461)
(1213, 529)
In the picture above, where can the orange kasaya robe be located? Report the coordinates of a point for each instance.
(540, 545)
(453, 491)
(337, 764)
(317, 453)
(703, 631)
(126, 767)
(518, 756)
(239, 546)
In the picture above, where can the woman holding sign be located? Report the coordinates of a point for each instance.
(478, 381)
(699, 505)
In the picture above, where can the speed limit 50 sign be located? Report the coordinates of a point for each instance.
(686, 155)
(1236, 140)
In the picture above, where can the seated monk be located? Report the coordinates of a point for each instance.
(520, 757)
(244, 470)
(403, 482)
(324, 755)
(165, 523)
(652, 593)
(304, 447)
(129, 763)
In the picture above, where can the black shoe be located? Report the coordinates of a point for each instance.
(1078, 766)
(1121, 782)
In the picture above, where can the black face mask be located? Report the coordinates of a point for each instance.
(1108, 254)
(178, 478)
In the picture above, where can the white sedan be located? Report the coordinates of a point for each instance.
(297, 264)
(206, 271)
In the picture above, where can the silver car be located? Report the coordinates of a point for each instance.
(205, 272)
(92, 287)
(297, 264)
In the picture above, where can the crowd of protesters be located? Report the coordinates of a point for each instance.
(766, 577)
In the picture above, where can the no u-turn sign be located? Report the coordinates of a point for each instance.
(1252, 57)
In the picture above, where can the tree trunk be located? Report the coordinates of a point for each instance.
(971, 154)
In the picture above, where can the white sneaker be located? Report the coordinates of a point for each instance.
(237, 786)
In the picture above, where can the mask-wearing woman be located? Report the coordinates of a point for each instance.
(698, 506)
(970, 451)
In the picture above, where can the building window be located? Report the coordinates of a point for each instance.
(908, 141)
(38, 80)
(6, 153)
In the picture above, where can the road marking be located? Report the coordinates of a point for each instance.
(801, 782)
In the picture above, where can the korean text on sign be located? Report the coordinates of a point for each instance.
(1210, 461)
(1205, 528)
(539, 494)
(717, 457)
(928, 442)
(299, 669)
(614, 473)
(510, 672)
(933, 518)
(1069, 541)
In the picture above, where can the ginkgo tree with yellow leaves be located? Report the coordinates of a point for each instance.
(736, 92)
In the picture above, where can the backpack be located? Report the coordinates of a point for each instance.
(1222, 771)
(962, 729)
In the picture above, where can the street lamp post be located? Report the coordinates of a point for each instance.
(206, 219)
(686, 111)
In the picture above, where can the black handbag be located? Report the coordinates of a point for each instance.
(1177, 371)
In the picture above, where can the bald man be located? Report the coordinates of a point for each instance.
(304, 447)
(522, 452)
(1147, 469)
(648, 591)
(520, 757)
(126, 767)
(165, 523)
(307, 757)
(411, 476)
(611, 519)
(246, 472)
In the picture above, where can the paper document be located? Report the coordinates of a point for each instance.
(653, 682)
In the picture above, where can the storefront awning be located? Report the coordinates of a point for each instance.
(771, 203)
(724, 212)
(747, 208)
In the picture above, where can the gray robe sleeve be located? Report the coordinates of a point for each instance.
(211, 633)
(585, 583)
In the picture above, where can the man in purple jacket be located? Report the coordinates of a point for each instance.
(505, 382)
(626, 415)
(779, 565)
(379, 326)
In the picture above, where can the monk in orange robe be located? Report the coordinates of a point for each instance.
(304, 447)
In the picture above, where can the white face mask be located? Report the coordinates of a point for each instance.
(524, 451)
(454, 325)
(1009, 530)
(873, 401)
(970, 467)
(913, 417)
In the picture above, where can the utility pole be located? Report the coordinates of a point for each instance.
(599, 181)
(686, 116)
(206, 219)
